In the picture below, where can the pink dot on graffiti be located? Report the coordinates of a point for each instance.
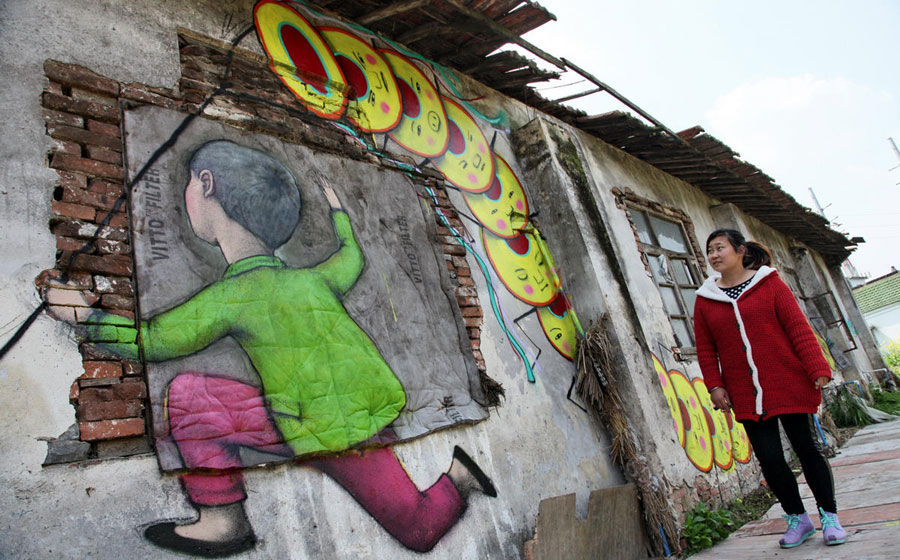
(481, 147)
(662, 379)
(430, 140)
(519, 205)
(566, 347)
(501, 224)
(473, 179)
(370, 59)
(528, 289)
(693, 403)
(727, 445)
(429, 95)
(703, 443)
(385, 108)
(675, 424)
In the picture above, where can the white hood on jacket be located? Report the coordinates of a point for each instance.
(710, 290)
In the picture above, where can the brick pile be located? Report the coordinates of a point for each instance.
(95, 268)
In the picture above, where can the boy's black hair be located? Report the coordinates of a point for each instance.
(255, 189)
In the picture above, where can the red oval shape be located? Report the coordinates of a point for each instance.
(359, 85)
(411, 107)
(559, 306)
(495, 191)
(519, 244)
(709, 422)
(685, 417)
(305, 58)
(457, 140)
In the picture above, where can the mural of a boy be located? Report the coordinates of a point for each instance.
(325, 386)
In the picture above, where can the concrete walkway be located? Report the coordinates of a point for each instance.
(867, 479)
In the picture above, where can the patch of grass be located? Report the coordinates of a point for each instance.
(886, 401)
(846, 410)
(704, 527)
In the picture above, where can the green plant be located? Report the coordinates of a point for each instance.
(886, 401)
(704, 527)
(847, 409)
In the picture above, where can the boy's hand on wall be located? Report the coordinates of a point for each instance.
(110, 333)
(330, 195)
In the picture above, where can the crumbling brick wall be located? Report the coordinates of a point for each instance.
(95, 269)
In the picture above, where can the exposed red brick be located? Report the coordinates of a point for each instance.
(89, 167)
(74, 392)
(144, 96)
(54, 87)
(66, 147)
(111, 429)
(472, 321)
(82, 94)
(70, 244)
(74, 75)
(474, 333)
(465, 281)
(459, 261)
(94, 370)
(467, 301)
(71, 210)
(84, 108)
(113, 285)
(107, 264)
(474, 343)
(104, 154)
(458, 250)
(116, 219)
(69, 179)
(116, 301)
(107, 188)
(108, 410)
(466, 291)
(471, 312)
(107, 246)
(87, 137)
(52, 277)
(464, 271)
(104, 128)
(77, 228)
(127, 390)
(441, 230)
(87, 198)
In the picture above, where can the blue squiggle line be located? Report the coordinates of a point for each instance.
(490, 285)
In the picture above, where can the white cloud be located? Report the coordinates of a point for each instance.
(829, 134)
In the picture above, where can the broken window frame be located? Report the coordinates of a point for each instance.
(652, 249)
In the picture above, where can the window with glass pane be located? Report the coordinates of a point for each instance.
(672, 265)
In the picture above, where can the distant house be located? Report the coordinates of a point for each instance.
(879, 301)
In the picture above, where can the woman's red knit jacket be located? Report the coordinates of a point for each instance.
(760, 347)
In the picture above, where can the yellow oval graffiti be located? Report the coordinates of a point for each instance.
(697, 441)
(301, 59)
(374, 102)
(522, 267)
(671, 398)
(467, 163)
(556, 321)
(503, 208)
(739, 439)
(718, 427)
(423, 124)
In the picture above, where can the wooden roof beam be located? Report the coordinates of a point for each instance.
(391, 10)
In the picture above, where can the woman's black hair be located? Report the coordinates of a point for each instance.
(755, 255)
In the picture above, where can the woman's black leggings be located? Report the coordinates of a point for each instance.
(766, 442)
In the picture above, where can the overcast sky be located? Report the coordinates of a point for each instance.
(809, 92)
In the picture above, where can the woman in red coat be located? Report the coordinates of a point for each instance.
(759, 356)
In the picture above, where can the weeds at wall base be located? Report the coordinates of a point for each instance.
(704, 527)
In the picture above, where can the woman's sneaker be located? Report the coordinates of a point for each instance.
(831, 528)
(799, 529)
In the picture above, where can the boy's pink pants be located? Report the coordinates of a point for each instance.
(211, 418)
